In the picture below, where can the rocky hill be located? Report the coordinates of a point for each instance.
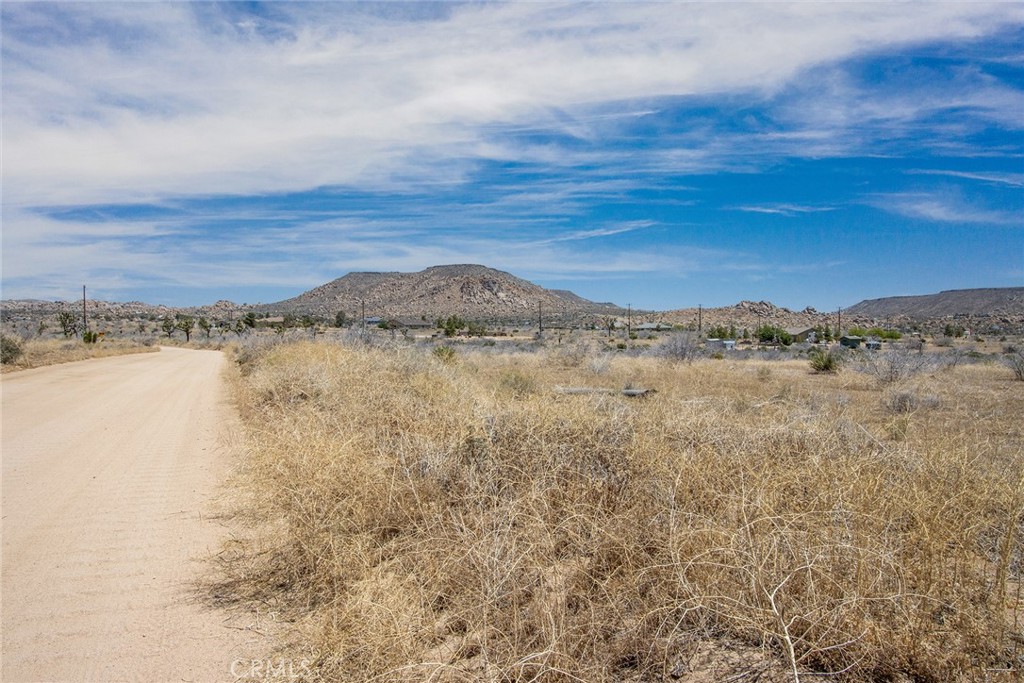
(1004, 301)
(470, 291)
(750, 314)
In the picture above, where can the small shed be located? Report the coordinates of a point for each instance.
(720, 344)
(851, 341)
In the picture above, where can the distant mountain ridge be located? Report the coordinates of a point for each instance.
(467, 290)
(987, 302)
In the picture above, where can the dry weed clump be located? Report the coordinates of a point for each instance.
(459, 522)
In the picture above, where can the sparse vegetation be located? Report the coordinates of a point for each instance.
(458, 522)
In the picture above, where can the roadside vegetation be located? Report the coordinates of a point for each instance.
(22, 354)
(452, 516)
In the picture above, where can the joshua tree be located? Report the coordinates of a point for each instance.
(186, 323)
(68, 323)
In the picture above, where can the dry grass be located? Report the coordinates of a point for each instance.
(459, 521)
(39, 352)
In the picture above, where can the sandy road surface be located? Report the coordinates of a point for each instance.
(109, 468)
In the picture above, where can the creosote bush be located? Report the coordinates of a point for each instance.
(425, 521)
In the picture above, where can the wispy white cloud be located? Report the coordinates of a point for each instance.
(132, 102)
(576, 235)
(1011, 179)
(783, 209)
(946, 207)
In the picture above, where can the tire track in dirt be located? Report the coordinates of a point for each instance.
(109, 470)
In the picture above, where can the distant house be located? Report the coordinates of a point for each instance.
(374, 320)
(651, 327)
(802, 334)
(850, 342)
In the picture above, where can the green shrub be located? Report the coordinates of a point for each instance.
(90, 337)
(769, 334)
(826, 361)
(10, 350)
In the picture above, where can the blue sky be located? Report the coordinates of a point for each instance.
(663, 155)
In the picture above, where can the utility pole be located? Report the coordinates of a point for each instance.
(700, 318)
(85, 319)
(629, 320)
(839, 323)
(540, 321)
(362, 305)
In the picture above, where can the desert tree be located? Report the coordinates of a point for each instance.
(68, 323)
(205, 326)
(186, 324)
(168, 326)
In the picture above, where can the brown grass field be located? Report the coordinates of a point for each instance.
(417, 519)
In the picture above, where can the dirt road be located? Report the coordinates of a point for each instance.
(109, 470)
